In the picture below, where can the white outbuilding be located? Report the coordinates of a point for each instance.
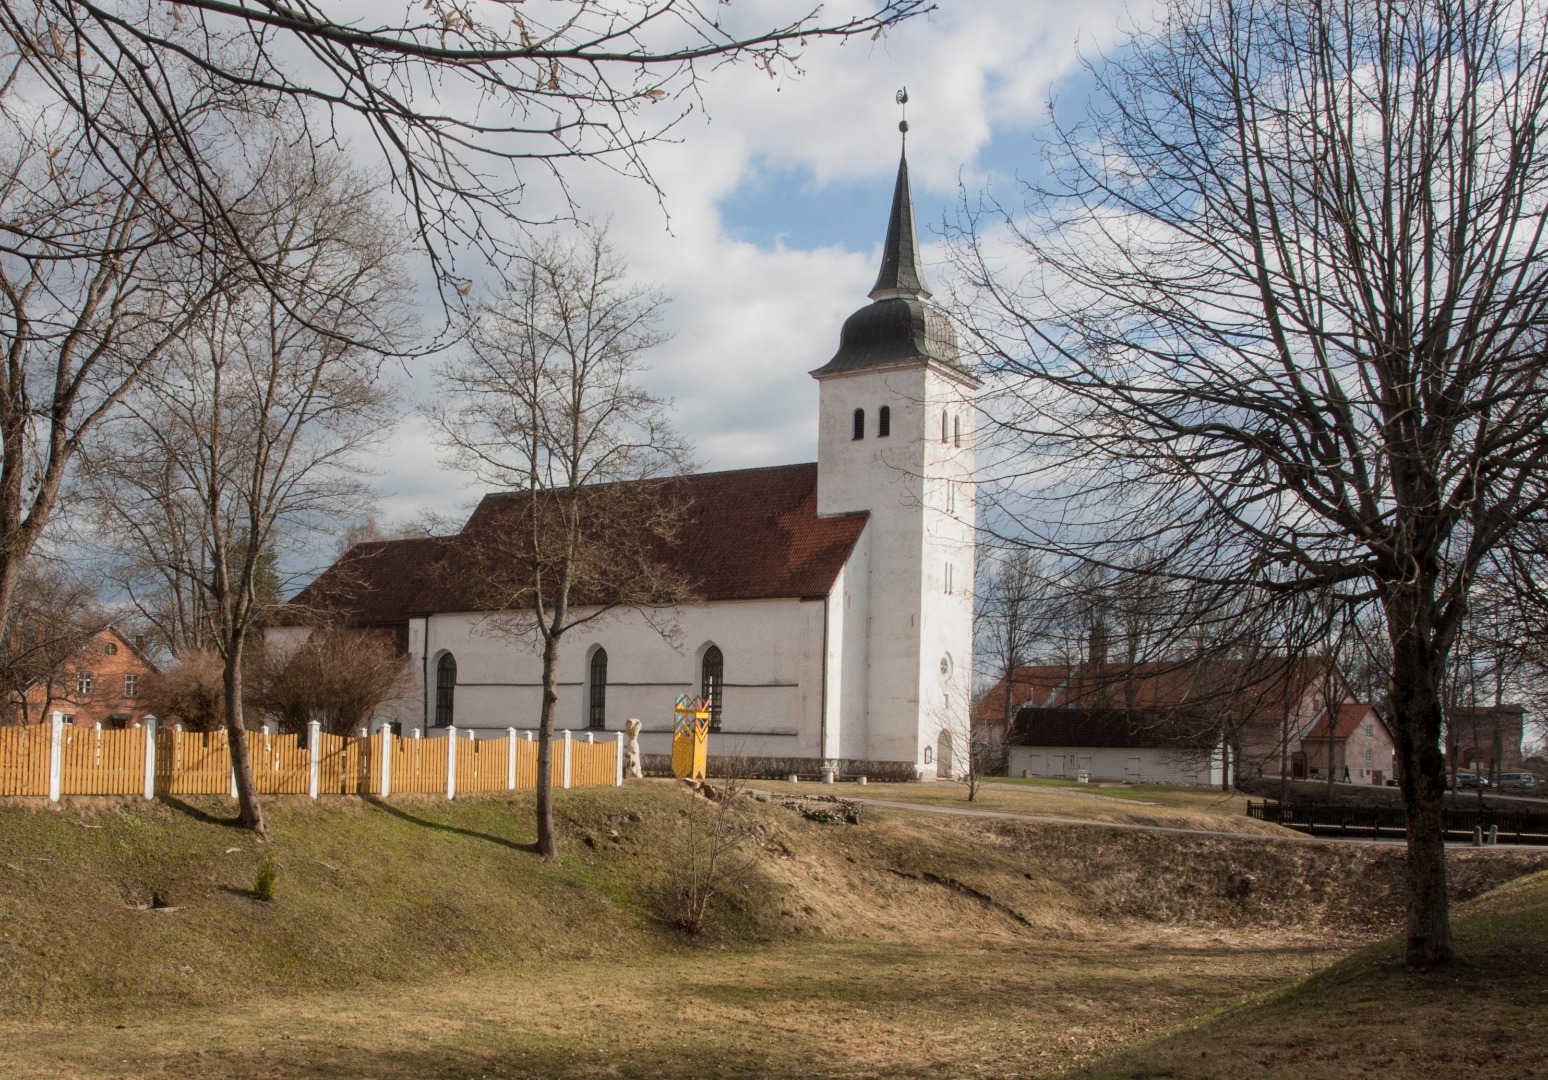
(832, 620)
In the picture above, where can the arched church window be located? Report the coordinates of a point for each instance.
(884, 422)
(943, 425)
(596, 704)
(712, 683)
(956, 431)
(445, 689)
(859, 423)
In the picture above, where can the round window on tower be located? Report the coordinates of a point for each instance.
(946, 666)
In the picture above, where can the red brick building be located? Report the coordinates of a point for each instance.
(103, 684)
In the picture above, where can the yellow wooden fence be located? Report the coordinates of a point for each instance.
(59, 759)
(24, 760)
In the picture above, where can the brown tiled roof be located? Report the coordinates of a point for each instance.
(1254, 690)
(1350, 716)
(1031, 684)
(748, 534)
(1160, 728)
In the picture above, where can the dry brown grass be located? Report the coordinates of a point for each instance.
(1370, 1016)
(942, 1005)
(1133, 804)
(425, 940)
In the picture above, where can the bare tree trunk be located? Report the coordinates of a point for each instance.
(547, 842)
(1416, 706)
(249, 810)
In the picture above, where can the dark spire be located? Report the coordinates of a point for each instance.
(901, 272)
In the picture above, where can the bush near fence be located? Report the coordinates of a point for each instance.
(56, 759)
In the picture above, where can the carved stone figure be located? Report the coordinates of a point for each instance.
(632, 748)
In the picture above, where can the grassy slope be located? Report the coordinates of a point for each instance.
(1368, 1015)
(422, 922)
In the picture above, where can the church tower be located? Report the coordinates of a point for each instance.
(895, 438)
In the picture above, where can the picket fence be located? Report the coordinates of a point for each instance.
(56, 759)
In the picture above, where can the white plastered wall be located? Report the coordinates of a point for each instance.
(773, 673)
(920, 495)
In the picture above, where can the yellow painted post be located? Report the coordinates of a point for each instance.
(690, 738)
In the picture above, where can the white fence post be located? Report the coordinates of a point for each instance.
(386, 760)
(55, 754)
(566, 759)
(510, 760)
(313, 765)
(451, 762)
(150, 756)
(618, 752)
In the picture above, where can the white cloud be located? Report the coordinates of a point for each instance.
(750, 321)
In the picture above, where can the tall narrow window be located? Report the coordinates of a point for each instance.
(956, 431)
(859, 423)
(596, 712)
(884, 422)
(132, 685)
(445, 689)
(712, 683)
(943, 425)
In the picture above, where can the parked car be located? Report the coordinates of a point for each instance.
(1471, 780)
(1517, 780)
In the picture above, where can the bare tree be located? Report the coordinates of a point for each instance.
(1013, 610)
(56, 616)
(98, 276)
(460, 100)
(191, 691)
(543, 400)
(252, 433)
(1283, 320)
(340, 677)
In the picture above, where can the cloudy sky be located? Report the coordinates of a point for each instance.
(776, 202)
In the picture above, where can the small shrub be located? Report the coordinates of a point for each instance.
(263, 882)
(708, 853)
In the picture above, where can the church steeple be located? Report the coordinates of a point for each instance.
(901, 273)
(899, 326)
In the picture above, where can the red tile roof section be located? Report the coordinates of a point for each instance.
(748, 534)
(1350, 716)
(1262, 689)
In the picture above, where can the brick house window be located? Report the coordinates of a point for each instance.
(83, 682)
(131, 685)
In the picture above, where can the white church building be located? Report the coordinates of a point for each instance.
(833, 621)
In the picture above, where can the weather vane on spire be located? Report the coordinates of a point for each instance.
(901, 97)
